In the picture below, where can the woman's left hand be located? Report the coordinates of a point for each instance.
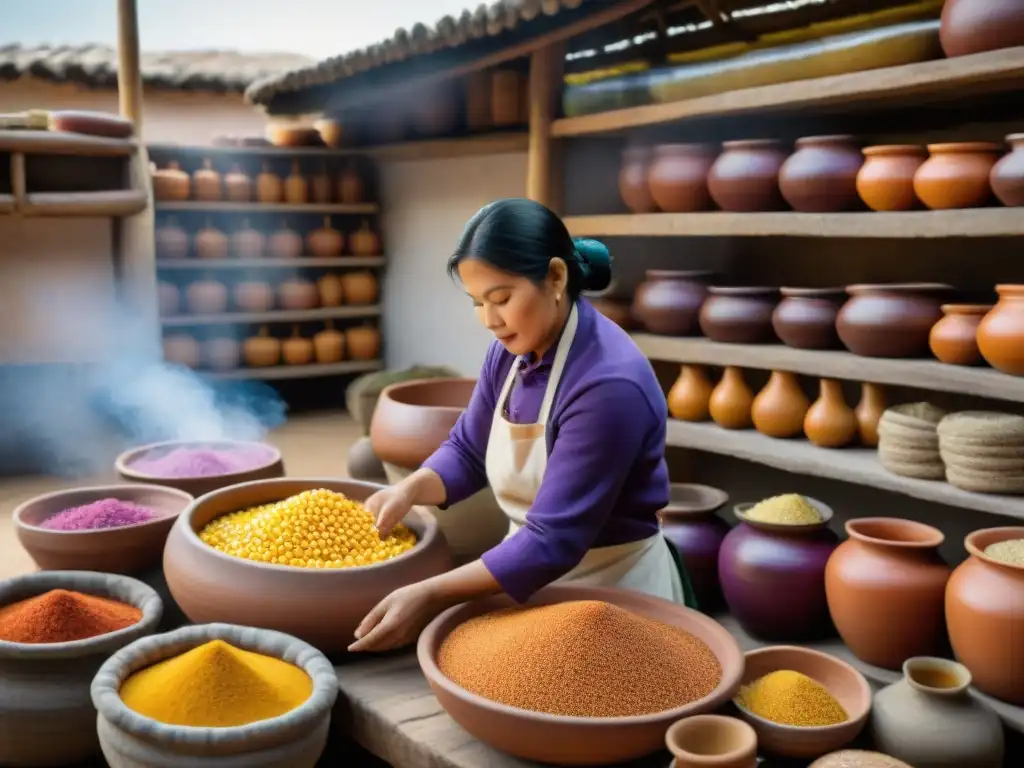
(398, 619)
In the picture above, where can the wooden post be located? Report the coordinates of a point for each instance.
(129, 75)
(544, 168)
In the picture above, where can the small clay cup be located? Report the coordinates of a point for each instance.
(745, 177)
(890, 320)
(956, 175)
(1007, 177)
(739, 315)
(954, 339)
(821, 176)
(703, 741)
(886, 180)
(806, 317)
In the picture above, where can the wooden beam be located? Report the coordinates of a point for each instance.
(129, 75)
(543, 166)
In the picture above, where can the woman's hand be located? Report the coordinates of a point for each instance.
(399, 618)
(388, 506)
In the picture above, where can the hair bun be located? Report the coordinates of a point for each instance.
(595, 262)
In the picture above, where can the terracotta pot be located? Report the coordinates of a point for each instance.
(549, 739)
(745, 177)
(362, 343)
(269, 188)
(689, 522)
(320, 186)
(1001, 332)
(731, 401)
(285, 243)
(1007, 176)
(703, 741)
(296, 350)
(985, 612)
(974, 26)
(779, 409)
(739, 315)
(298, 293)
(211, 243)
(222, 353)
(329, 345)
(237, 186)
(669, 301)
(206, 297)
(171, 183)
(248, 243)
(206, 183)
(830, 422)
(929, 720)
(182, 349)
(954, 339)
(885, 587)
(262, 350)
(360, 287)
(350, 186)
(956, 175)
(760, 561)
(806, 317)
(633, 187)
(332, 293)
(168, 299)
(886, 180)
(254, 296)
(869, 412)
(821, 176)
(296, 190)
(618, 312)
(172, 242)
(364, 241)
(678, 177)
(890, 320)
(690, 396)
(326, 242)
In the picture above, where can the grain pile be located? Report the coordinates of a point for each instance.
(791, 698)
(787, 509)
(583, 658)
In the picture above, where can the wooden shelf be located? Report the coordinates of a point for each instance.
(978, 222)
(274, 316)
(230, 207)
(114, 204)
(282, 372)
(57, 143)
(302, 262)
(852, 465)
(911, 83)
(283, 152)
(920, 374)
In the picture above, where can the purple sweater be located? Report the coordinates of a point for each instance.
(606, 476)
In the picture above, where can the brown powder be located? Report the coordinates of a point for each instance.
(585, 658)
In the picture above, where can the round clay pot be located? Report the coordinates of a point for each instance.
(618, 312)
(706, 741)
(364, 241)
(954, 339)
(206, 297)
(886, 180)
(890, 320)
(633, 187)
(325, 242)
(296, 349)
(360, 287)
(298, 293)
(806, 317)
(669, 301)
(898, 559)
(739, 315)
(758, 562)
(171, 183)
(329, 345)
(262, 350)
(182, 349)
(206, 183)
(1007, 176)
(237, 186)
(285, 243)
(956, 175)
(55, 677)
(678, 177)
(689, 522)
(253, 296)
(974, 26)
(332, 291)
(821, 176)
(780, 408)
(172, 242)
(745, 177)
(211, 243)
(985, 614)
(689, 399)
(363, 343)
(168, 299)
(1001, 332)
(222, 354)
(247, 242)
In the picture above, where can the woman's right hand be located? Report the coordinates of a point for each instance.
(388, 506)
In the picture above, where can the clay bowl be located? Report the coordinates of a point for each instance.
(565, 740)
(330, 131)
(710, 740)
(197, 486)
(321, 606)
(740, 511)
(285, 135)
(127, 549)
(845, 683)
(685, 499)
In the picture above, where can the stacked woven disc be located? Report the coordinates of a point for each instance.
(908, 443)
(983, 451)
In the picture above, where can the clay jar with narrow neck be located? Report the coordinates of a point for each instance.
(731, 400)
(956, 175)
(890, 320)
(690, 396)
(830, 422)
(985, 613)
(973, 26)
(739, 315)
(929, 720)
(669, 301)
(678, 177)
(745, 177)
(821, 176)
(954, 339)
(773, 578)
(869, 412)
(633, 186)
(689, 521)
(1007, 176)
(886, 180)
(779, 409)
(886, 588)
(806, 317)
(1001, 331)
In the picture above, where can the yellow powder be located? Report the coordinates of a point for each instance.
(790, 508)
(791, 698)
(216, 685)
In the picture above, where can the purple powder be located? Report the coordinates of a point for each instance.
(105, 513)
(201, 462)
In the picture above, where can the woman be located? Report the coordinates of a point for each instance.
(566, 424)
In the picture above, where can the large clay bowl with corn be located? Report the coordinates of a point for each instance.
(570, 740)
(847, 686)
(322, 606)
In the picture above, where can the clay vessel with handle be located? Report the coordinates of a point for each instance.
(1007, 176)
(668, 301)
(830, 422)
(633, 187)
(869, 412)
(690, 396)
(954, 339)
(886, 180)
(731, 401)
(678, 175)
(806, 317)
(780, 407)
(745, 177)
(1001, 331)
(821, 176)
(975, 26)
(956, 175)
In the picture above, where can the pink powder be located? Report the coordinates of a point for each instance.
(104, 513)
(201, 462)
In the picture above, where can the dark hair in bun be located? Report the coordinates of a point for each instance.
(521, 236)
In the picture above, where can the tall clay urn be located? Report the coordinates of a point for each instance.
(689, 522)
(773, 576)
(886, 588)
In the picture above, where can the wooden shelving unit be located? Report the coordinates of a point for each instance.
(226, 206)
(302, 262)
(280, 372)
(274, 316)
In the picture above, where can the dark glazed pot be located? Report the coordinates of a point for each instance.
(1007, 177)
(739, 315)
(678, 177)
(806, 317)
(890, 320)
(773, 577)
(973, 26)
(690, 523)
(886, 180)
(821, 176)
(669, 301)
(745, 177)
(633, 188)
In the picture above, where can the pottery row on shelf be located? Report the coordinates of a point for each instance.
(825, 174)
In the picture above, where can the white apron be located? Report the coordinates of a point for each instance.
(517, 458)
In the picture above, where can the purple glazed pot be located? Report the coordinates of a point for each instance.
(773, 577)
(690, 523)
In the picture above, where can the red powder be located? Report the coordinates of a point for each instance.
(61, 616)
(201, 462)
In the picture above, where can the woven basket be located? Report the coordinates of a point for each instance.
(1012, 467)
(914, 415)
(901, 453)
(985, 482)
(975, 450)
(916, 469)
(983, 428)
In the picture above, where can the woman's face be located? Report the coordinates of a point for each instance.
(523, 316)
